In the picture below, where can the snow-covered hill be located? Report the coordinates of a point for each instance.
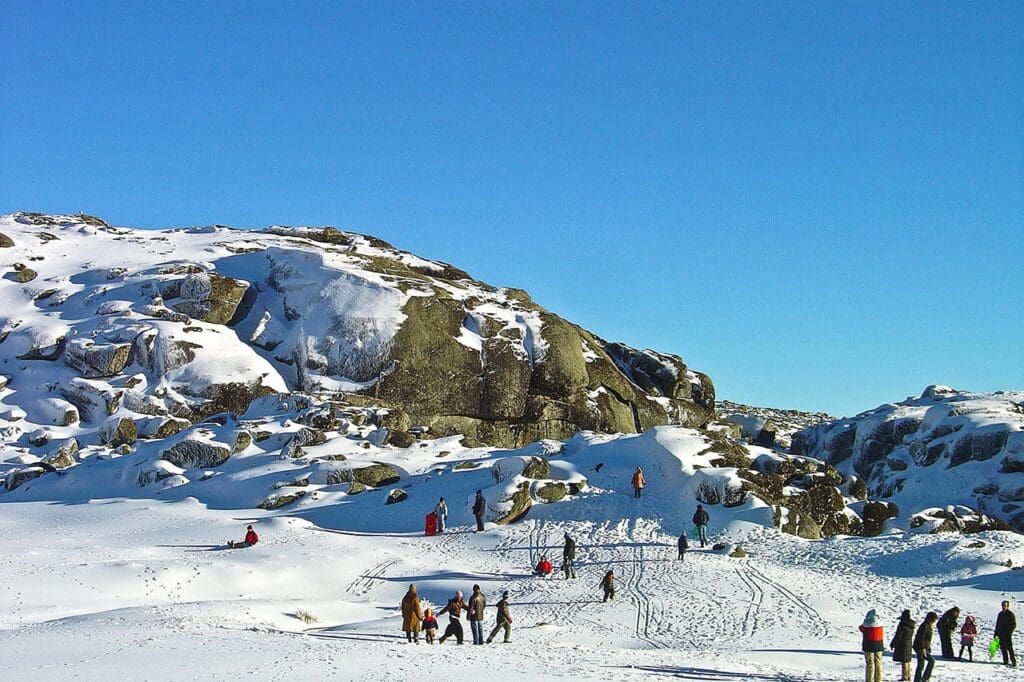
(99, 323)
(941, 449)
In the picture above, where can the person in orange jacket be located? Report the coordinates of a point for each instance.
(638, 482)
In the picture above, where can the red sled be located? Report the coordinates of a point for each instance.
(430, 525)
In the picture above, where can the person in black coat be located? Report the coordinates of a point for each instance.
(923, 648)
(1006, 623)
(946, 627)
(902, 644)
(479, 506)
(683, 545)
(569, 557)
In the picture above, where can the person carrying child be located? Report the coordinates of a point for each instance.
(967, 634)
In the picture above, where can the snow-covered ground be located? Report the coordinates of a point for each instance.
(143, 589)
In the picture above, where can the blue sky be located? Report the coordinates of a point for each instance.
(819, 204)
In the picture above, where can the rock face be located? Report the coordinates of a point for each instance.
(972, 446)
(214, 318)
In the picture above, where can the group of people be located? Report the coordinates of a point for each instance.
(440, 512)
(908, 643)
(415, 619)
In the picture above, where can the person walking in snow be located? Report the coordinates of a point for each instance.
(683, 545)
(504, 620)
(902, 644)
(923, 648)
(569, 557)
(638, 482)
(479, 507)
(967, 634)
(700, 520)
(442, 515)
(1006, 623)
(454, 609)
(608, 585)
(429, 625)
(475, 614)
(946, 627)
(250, 539)
(871, 645)
(411, 615)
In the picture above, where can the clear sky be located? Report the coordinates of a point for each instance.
(819, 204)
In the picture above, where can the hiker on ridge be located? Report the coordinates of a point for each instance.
(479, 507)
(411, 615)
(638, 482)
(946, 627)
(700, 520)
(475, 614)
(902, 644)
(569, 557)
(872, 647)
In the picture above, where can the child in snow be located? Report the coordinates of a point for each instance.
(544, 567)
(608, 585)
(429, 625)
(250, 539)
(967, 634)
(638, 482)
(683, 545)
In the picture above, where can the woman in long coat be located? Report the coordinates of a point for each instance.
(902, 644)
(411, 615)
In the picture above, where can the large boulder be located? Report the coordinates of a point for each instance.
(196, 453)
(64, 455)
(118, 431)
(212, 298)
(95, 360)
(515, 505)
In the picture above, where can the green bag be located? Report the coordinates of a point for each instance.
(993, 647)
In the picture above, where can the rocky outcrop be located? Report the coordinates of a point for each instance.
(118, 431)
(96, 360)
(968, 443)
(212, 298)
(64, 455)
(196, 453)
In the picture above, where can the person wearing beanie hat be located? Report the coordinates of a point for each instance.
(872, 647)
(902, 644)
(454, 611)
(504, 620)
(429, 625)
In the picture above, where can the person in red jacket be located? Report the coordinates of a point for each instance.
(872, 646)
(250, 539)
(544, 567)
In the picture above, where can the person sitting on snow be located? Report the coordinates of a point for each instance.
(250, 539)
(544, 567)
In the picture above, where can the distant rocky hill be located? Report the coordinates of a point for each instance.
(115, 333)
(943, 453)
(767, 425)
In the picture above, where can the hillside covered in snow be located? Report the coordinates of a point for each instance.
(944, 453)
(166, 327)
